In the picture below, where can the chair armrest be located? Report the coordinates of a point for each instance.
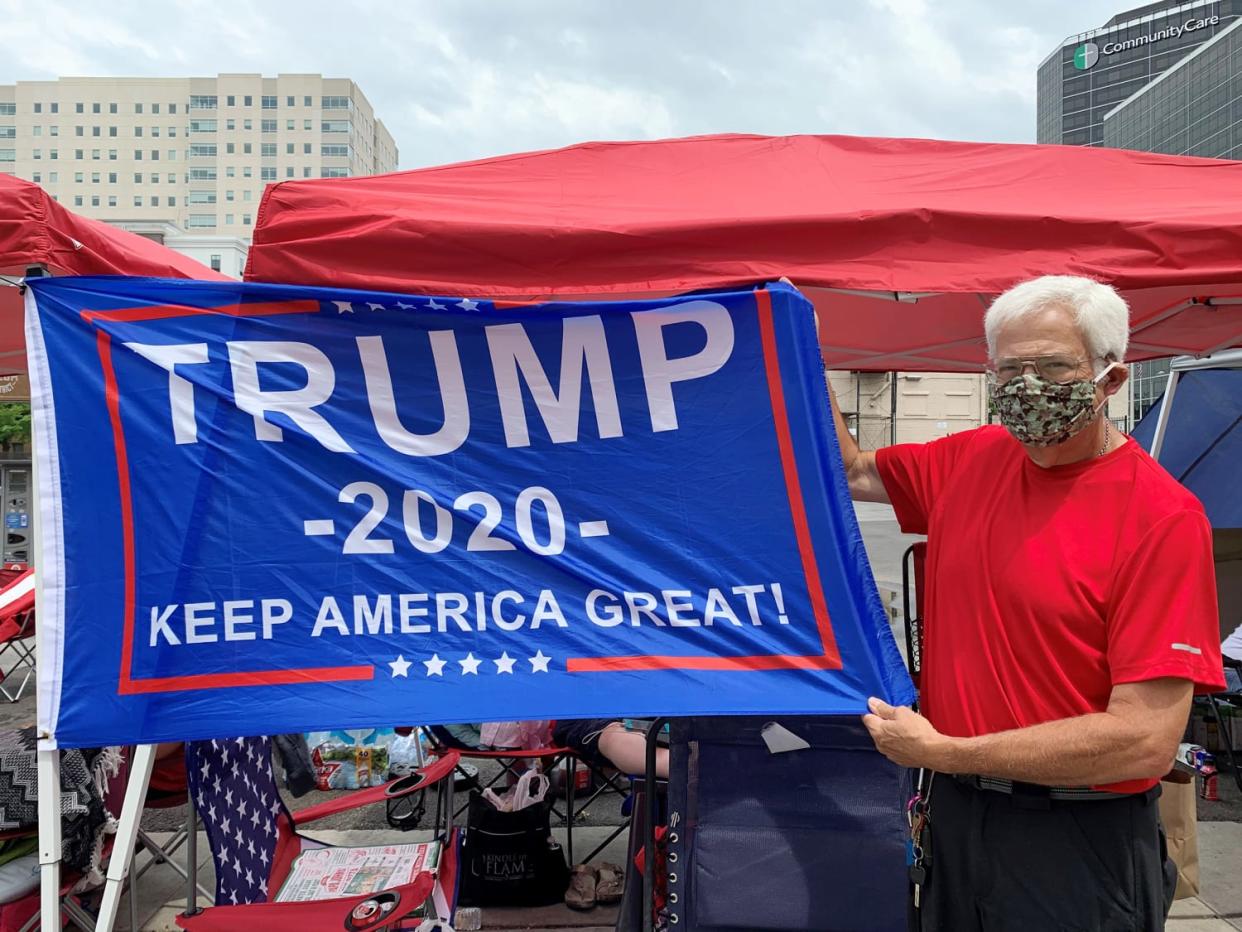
(316, 914)
(419, 780)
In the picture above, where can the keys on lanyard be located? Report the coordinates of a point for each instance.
(918, 815)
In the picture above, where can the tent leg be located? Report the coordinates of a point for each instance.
(1162, 422)
(126, 834)
(49, 838)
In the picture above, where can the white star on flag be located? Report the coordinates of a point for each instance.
(504, 663)
(539, 663)
(224, 825)
(435, 666)
(434, 305)
(468, 305)
(470, 665)
(344, 307)
(406, 307)
(374, 307)
(400, 666)
(206, 767)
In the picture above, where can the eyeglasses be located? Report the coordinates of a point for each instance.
(1054, 368)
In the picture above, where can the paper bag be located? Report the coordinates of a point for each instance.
(1177, 812)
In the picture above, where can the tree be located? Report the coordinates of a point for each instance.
(14, 422)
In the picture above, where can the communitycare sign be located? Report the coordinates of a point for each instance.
(270, 509)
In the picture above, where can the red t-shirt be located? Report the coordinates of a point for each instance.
(1045, 588)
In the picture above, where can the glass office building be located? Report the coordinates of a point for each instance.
(1162, 77)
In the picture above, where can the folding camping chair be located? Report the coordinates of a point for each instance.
(17, 627)
(509, 758)
(1214, 701)
(255, 842)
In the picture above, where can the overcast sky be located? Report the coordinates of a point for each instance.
(460, 79)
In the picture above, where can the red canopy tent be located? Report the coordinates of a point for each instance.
(900, 242)
(36, 230)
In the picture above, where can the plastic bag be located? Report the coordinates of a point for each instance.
(530, 790)
(403, 755)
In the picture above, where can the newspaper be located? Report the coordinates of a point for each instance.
(324, 873)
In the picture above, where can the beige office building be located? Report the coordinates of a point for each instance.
(194, 152)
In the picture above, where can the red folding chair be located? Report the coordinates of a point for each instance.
(255, 840)
(17, 627)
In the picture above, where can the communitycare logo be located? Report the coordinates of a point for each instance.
(1086, 55)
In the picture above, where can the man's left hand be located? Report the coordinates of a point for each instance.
(905, 737)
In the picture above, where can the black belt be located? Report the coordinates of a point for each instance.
(1036, 790)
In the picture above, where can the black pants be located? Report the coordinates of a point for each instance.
(1002, 863)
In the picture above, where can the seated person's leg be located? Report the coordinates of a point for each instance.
(608, 743)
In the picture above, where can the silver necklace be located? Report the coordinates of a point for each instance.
(1104, 445)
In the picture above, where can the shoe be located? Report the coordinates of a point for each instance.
(581, 892)
(610, 886)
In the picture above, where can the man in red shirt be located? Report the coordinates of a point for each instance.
(1071, 614)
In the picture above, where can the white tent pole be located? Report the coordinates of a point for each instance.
(1166, 407)
(126, 835)
(49, 838)
(47, 759)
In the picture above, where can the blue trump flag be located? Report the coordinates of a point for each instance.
(270, 508)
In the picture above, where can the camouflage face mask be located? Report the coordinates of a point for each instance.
(1043, 413)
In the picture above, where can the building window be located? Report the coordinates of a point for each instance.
(246, 220)
(267, 150)
(334, 172)
(78, 108)
(172, 202)
(290, 124)
(267, 126)
(95, 108)
(336, 103)
(79, 177)
(200, 221)
(7, 108)
(112, 108)
(112, 155)
(231, 100)
(335, 126)
(111, 177)
(306, 148)
(53, 130)
(54, 153)
(307, 101)
(137, 108)
(79, 131)
(10, 132)
(306, 171)
(95, 176)
(95, 131)
(53, 177)
(268, 102)
(289, 101)
(247, 124)
(230, 172)
(55, 107)
(172, 131)
(288, 148)
(38, 108)
(137, 177)
(288, 171)
(202, 126)
(111, 200)
(94, 200)
(308, 124)
(247, 148)
(215, 262)
(155, 155)
(155, 202)
(172, 178)
(36, 177)
(155, 108)
(267, 174)
(77, 200)
(247, 101)
(137, 200)
(112, 131)
(172, 108)
(37, 154)
(205, 150)
(96, 154)
(202, 102)
(202, 197)
(229, 148)
(8, 155)
(246, 172)
(246, 195)
(228, 195)
(155, 131)
(137, 130)
(202, 174)
(155, 177)
(228, 220)
(230, 124)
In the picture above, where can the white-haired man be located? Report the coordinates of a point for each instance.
(1071, 613)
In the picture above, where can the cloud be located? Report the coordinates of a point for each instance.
(468, 79)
